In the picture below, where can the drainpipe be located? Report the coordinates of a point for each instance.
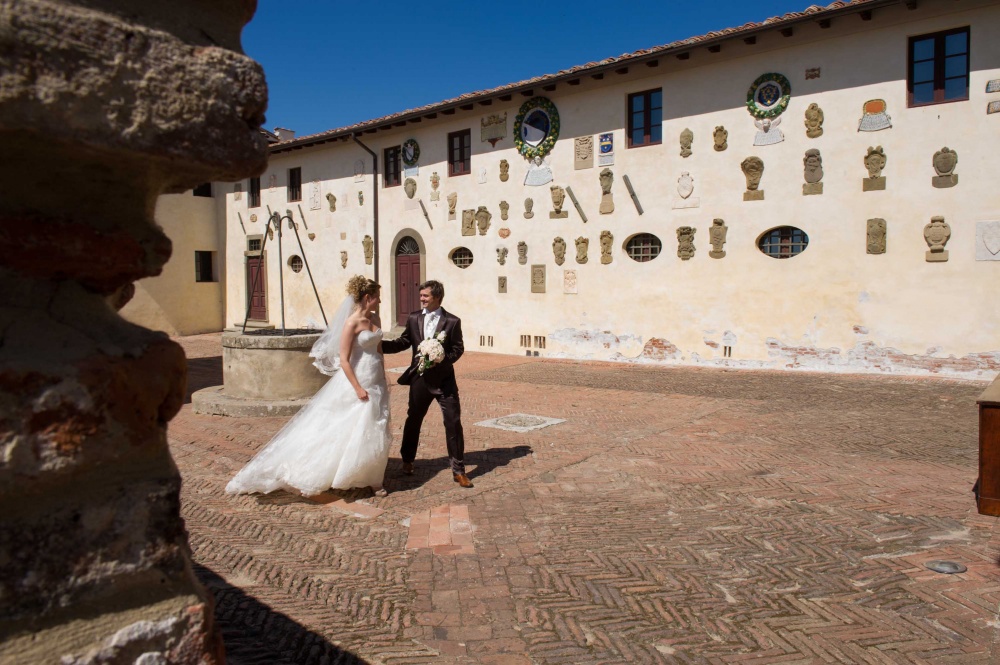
(374, 200)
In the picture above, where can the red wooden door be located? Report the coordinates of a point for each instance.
(407, 279)
(257, 288)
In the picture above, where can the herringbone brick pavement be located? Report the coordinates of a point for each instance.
(679, 515)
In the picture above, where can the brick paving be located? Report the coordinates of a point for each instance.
(679, 515)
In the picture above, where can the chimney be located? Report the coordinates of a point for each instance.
(284, 134)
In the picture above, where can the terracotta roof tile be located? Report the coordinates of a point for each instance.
(769, 23)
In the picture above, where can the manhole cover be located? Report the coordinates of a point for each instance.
(520, 422)
(946, 567)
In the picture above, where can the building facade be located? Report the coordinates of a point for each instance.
(812, 192)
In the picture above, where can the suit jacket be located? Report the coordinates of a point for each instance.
(441, 377)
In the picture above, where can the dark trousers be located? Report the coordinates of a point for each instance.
(451, 409)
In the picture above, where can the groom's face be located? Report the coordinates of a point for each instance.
(428, 301)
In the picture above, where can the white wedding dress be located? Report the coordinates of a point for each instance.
(336, 441)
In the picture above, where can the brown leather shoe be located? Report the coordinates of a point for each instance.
(407, 469)
(463, 480)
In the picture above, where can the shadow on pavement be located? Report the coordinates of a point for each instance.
(256, 634)
(203, 373)
(478, 462)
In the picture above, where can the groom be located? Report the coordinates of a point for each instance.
(437, 383)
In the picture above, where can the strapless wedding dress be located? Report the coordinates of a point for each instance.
(336, 441)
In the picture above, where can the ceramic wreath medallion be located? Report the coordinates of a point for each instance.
(536, 130)
(767, 99)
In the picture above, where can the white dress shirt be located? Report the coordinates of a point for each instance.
(430, 322)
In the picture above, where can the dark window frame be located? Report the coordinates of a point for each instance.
(253, 193)
(204, 266)
(461, 257)
(783, 242)
(939, 59)
(460, 153)
(203, 190)
(295, 184)
(648, 123)
(643, 247)
(392, 161)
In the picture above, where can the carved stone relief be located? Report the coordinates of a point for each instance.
(332, 200)
(767, 131)
(314, 196)
(522, 252)
(528, 205)
(504, 232)
(607, 198)
(502, 255)
(606, 241)
(483, 218)
(583, 152)
(558, 198)
(945, 160)
(361, 198)
(559, 250)
(814, 121)
(369, 246)
(988, 241)
(876, 236)
(874, 162)
(720, 138)
(469, 222)
(685, 187)
(937, 233)
(812, 164)
(581, 249)
(717, 236)
(502, 284)
(238, 191)
(452, 202)
(539, 173)
(410, 187)
(504, 170)
(435, 183)
(504, 208)
(687, 138)
(570, 282)
(753, 170)
(343, 259)
(538, 279)
(685, 242)
(874, 117)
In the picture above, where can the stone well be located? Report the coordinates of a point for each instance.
(262, 375)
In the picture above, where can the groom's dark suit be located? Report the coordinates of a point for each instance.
(437, 383)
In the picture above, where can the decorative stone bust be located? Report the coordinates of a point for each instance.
(812, 172)
(435, 182)
(501, 255)
(483, 218)
(410, 187)
(607, 199)
(606, 241)
(753, 170)
(559, 250)
(717, 236)
(874, 162)
(522, 252)
(581, 249)
(814, 121)
(504, 207)
(558, 198)
(504, 170)
(687, 138)
(945, 160)
(720, 137)
(452, 203)
(528, 205)
(332, 201)
(937, 233)
(685, 242)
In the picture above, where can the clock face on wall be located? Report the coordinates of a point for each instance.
(536, 127)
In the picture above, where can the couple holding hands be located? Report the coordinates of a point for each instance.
(341, 438)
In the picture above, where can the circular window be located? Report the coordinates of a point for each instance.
(295, 263)
(461, 257)
(783, 242)
(643, 247)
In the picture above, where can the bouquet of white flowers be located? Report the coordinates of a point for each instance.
(430, 352)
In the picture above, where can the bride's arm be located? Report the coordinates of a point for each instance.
(351, 327)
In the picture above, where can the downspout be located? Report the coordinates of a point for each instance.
(374, 200)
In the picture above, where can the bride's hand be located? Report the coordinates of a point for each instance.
(362, 394)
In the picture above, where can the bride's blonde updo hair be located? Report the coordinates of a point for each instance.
(360, 286)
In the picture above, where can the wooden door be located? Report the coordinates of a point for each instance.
(407, 279)
(257, 288)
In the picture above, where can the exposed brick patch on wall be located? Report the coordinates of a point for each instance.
(602, 338)
(660, 349)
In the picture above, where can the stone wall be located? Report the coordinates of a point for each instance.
(104, 105)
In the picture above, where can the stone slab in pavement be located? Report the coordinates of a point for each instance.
(678, 515)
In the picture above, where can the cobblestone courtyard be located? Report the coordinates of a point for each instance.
(678, 515)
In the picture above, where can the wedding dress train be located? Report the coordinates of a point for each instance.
(336, 441)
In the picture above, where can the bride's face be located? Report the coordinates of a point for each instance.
(369, 303)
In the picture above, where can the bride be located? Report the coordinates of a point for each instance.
(341, 438)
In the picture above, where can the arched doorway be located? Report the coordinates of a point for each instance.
(407, 278)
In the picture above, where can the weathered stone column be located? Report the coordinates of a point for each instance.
(104, 105)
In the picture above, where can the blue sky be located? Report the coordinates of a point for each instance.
(334, 63)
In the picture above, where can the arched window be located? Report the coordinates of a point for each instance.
(643, 247)
(407, 245)
(783, 242)
(461, 257)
